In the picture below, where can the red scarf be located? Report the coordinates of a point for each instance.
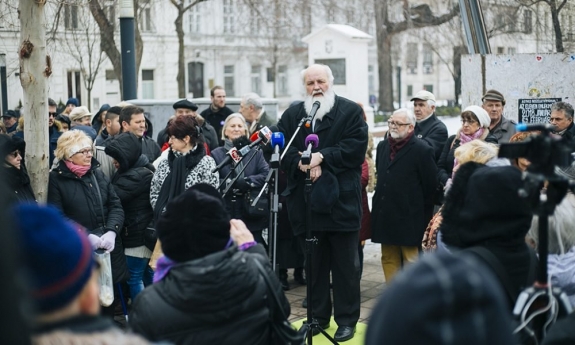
(396, 145)
(78, 170)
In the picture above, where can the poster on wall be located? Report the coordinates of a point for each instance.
(535, 110)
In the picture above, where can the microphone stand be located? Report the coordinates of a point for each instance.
(275, 206)
(233, 181)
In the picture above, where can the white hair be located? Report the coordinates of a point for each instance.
(410, 116)
(561, 227)
(254, 99)
(326, 69)
(431, 103)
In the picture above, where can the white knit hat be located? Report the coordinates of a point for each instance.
(481, 114)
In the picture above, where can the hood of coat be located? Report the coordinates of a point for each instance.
(126, 148)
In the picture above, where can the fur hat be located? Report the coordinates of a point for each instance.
(57, 254)
(459, 301)
(481, 114)
(493, 95)
(195, 224)
(483, 205)
(9, 144)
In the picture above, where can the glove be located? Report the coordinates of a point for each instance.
(95, 241)
(242, 185)
(108, 241)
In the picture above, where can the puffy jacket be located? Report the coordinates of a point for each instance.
(217, 299)
(132, 185)
(77, 197)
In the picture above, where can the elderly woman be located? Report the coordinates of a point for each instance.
(85, 195)
(234, 133)
(206, 290)
(15, 174)
(185, 165)
(474, 125)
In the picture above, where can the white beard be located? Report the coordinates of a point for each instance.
(327, 100)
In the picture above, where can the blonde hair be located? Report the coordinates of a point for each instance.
(477, 151)
(70, 143)
(227, 122)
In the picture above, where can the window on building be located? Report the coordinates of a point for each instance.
(195, 19)
(427, 59)
(74, 84)
(500, 50)
(229, 18)
(568, 29)
(331, 15)
(527, 22)
(282, 81)
(110, 11)
(511, 50)
(229, 81)
(350, 16)
(270, 74)
(428, 87)
(411, 58)
(256, 79)
(147, 83)
(145, 18)
(371, 79)
(409, 90)
(110, 75)
(71, 17)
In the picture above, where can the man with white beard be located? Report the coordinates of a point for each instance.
(335, 201)
(403, 199)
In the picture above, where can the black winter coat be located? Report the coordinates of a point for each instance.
(216, 119)
(446, 161)
(150, 148)
(132, 185)
(78, 199)
(432, 131)
(403, 199)
(343, 141)
(218, 299)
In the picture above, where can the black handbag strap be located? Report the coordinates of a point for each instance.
(274, 298)
(95, 182)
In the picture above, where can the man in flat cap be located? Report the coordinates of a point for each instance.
(10, 119)
(428, 127)
(184, 107)
(502, 128)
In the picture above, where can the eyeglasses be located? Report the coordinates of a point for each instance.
(15, 154)
(469, 122)
(52, 114)
(85, 152)
(397, 124)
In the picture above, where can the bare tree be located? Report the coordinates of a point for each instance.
(413, 17)
(555, 7)
(83, 45)
(108, 38)
(179, 23)
(35, 68)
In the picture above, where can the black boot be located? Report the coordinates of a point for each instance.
(283, 279)
(298, 275)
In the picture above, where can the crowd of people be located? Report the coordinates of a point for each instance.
(189, 257)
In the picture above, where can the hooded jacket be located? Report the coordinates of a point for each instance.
(218, 299)
(17, 180)
(132, 185)
(78, 199)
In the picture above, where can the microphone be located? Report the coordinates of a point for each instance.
(311, 115)
(312, 142)
(278, 140)
(263, 135)
(232, 154)
(545, 127)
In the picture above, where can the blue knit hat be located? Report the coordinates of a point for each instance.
(58, 256)
(74, 101)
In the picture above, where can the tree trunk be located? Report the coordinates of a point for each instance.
(556, 27)
(181, 78)
(35, 68)
(385, 69)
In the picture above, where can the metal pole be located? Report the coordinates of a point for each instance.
(127, 36)
(474, 26)
(3, 84)
(399, 85)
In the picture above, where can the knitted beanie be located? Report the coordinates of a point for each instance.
(58, 255)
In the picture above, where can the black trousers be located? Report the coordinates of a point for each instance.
(335, 252)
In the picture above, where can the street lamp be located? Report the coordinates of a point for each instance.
(3, 84)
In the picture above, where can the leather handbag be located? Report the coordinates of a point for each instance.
(282, 333)
(260, 209)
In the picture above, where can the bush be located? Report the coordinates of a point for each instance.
(447, 111)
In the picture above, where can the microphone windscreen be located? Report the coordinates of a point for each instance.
(312, 139)
(278, 139)
(240, 142)
(254, 137)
